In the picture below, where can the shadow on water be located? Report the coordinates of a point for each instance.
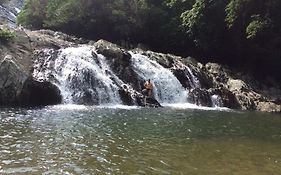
(96, 140)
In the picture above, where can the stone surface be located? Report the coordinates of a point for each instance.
(268, 107)
(236, 85)
(12, 78)
(200, 97)
(35, 93)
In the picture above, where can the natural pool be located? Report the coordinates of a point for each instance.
(69, 139)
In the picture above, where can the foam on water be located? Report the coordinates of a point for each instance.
(69, 107)
(85, 107)
(118, 107)
(194, 106)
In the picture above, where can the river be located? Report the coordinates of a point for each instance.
(71, 139)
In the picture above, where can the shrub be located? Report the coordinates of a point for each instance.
(6, 35)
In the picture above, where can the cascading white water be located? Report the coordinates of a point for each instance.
(216, 101)
(85, 77)
(80, 73)
(193, 81)
(167, 88)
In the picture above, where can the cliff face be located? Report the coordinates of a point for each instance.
(207, 85)
(9, 11)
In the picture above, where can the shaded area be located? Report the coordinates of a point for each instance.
(242, 34)
(36, 93)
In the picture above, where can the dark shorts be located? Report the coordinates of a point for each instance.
(146, 92)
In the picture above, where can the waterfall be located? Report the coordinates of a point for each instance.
(81, 74)
(193, 81)
(190, 77)
(167, 88)
(85, 77)
(216, 101)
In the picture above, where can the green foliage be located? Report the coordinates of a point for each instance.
(61, 12)
(204, 24)
(33, 13)
(257, 27)
(6, 35)
(240, 31)
(193, 17)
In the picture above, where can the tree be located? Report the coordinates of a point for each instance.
(33, 13)
(204, 23)
(228, 31)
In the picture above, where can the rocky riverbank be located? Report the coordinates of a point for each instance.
(210, 82)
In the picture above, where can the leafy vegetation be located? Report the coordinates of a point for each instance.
(236, 32)
(6, 35)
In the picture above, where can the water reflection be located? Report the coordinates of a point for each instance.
(94, 140)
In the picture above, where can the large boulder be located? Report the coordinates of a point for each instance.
(246, 97)
(268, 107)
(228, 99)
(200, 97)
(237, 85)
(17, 89)
(11, 80)
(110, 50)
(35, 93)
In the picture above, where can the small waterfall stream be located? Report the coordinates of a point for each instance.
(167, 88)
(81, 74)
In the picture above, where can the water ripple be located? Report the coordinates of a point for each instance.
(57, 140)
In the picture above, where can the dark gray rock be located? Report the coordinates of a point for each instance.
(130, 97)
(12, 78)
(110, 50)
(228, 99)
(200, 97)
(35, 93)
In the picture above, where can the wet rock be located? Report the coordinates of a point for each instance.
(126, 97)
(228, 99)
(35, 93)
(200, 97)
(181, 76)
(110, 50)
(152, 102)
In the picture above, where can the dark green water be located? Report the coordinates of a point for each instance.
(91, 140)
